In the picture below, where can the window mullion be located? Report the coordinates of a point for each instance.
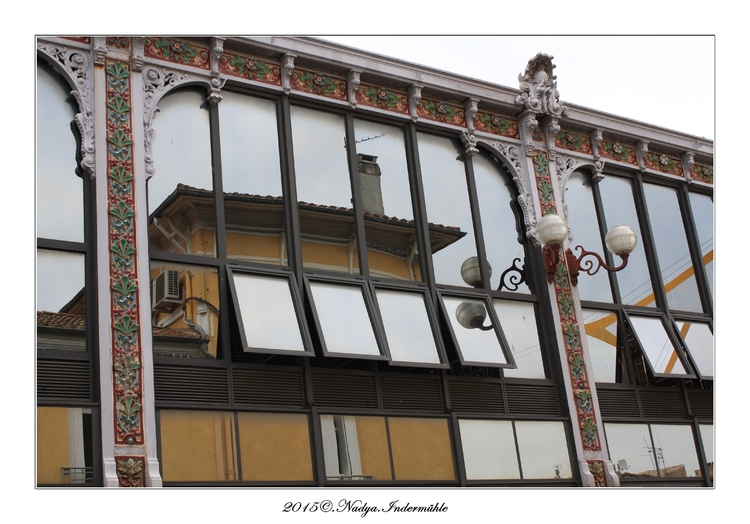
(359, 226)
(289, 188)
(477, 222)
(695, 249)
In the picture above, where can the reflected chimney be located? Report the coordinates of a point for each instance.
(369, 180)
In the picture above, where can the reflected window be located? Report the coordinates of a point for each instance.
(180, 193)
(61, 305)
(185, 310)
(269, 313)
(655, 450)
(59, 192)
(64, 446)
(658, 346)
(495, 194)
(634, 281)
(707, 436)
(489, 449)
(251, 178)
(421, 449)
(601, 337)
(677, 272)
(703, 218)
(518, 320)
(543, 449)
(699, 341)
(447, 203)
(355, 448)
(579, 198)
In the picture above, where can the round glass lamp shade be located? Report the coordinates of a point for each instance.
(551, 230)
(470, 315)
(470, 271)
(620, 240)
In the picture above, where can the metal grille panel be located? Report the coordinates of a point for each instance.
(345, 391)
(701, 403)
(411, 393)
(190, 385)
(618, 403)
(531, 400)
(63, 379)
(660, 403)
(476, 397)
(259, 386)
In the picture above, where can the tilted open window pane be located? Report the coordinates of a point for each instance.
(343, 316)
(269, 313)
(703, 218)
(408, 327)
(700, 344)
(477, 332)
(489, 449)
(658, 347)
(601, 336)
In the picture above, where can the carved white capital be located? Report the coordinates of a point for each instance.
(99, 46)
(214, 94)
(526, 125)
(641, 150)
(688, 161)
(471, 106)
(599, 166)
(352, 84)
(287, 66)
(138, 56)
(217, 48)
(550, 127)
(539, 87)
(470, 143)
(415, 95)
(77, 68)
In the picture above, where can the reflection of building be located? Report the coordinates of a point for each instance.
(305, 272)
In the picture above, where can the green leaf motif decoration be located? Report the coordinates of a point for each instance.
(176, 49)
(496, 123)
(125, 286)
(250, 67)
(319, 83)
(382, 97)
(440, 110)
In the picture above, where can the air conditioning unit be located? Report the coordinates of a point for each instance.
(165, 291)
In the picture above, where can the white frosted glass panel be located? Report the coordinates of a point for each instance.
(447, 202)
(579, 197)
(249, 145)
(601, 336)
(59, 278)
(407, 327)
(677, 272)
(543, 449)
(498, 221)
(182, 147)
(700, 343)
(630, 449)
(59, 191)
(657, 345)
(489, 449)
(675, 450)
(344, 319)
(518, 321)
(476, 345)
(268, 314)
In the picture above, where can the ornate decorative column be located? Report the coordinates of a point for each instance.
(540, 98)
(126, 366)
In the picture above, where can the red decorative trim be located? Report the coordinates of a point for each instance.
(619, 152)
(118, 42)
(703, 173)
(245, 66)
(319, 84)
(81, 39)
(664, 163)
(383, 98)
(573, 142)
(496, 124)
(177, 51)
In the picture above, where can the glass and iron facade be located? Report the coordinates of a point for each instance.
(287, 271)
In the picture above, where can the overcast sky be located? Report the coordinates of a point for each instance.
(662, 80)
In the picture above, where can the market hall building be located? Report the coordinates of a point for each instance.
(273, 261)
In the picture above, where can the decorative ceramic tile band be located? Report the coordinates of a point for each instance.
(537, 135)
(126, 345)
(618, 152)
(440, 111)
(118, 42)
(319, 84)
(703, 173)
(249, 67)
(665, 164)
(573, 142)
(382, 98)
(178, 51)
(130, 471)
(568, 322)
(596, 467)
(496, 124)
